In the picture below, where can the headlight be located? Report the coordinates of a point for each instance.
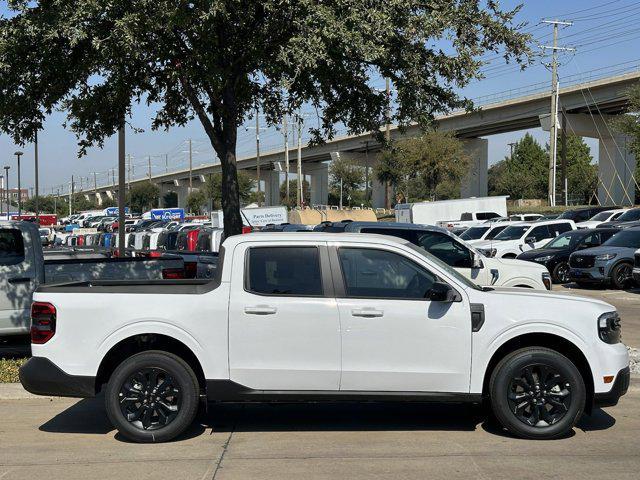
(609, 327)
(606, 256)
(546, 258)
(546, 280)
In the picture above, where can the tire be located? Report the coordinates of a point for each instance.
(621, 275)
(524, 369)
(148, 421)
(560, 273)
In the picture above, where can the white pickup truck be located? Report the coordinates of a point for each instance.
(316, 316)
(24, 266)
(468, 219)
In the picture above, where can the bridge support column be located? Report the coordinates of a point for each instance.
(271, 179)
(615, 171)
(99, 198)
(475, 183)
(318, 182)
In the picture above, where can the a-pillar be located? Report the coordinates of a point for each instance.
(475, 182)
(318, 182)
(271, 179)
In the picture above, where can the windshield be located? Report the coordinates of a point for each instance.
(494, 232)
(513, 232)
(566, 240)
(626, 238)
(568, 215)
(602, 216)
(450, 271)
(630, 216)
(473, 233)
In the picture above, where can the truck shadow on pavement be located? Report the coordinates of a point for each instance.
(87, 416)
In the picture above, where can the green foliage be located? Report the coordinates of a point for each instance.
(196, 200)
(213, 188)
(215, 60)
(293, 193)
(170, 199)
(348, 176)
(108, 202)
(143, 197)
(429, 167)
(525, 175)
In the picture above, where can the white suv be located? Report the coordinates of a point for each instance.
(522, 236)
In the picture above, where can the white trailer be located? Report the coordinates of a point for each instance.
(430, 213)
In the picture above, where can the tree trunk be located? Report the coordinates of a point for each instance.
(230, 195)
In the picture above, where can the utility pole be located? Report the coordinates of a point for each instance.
(71, 188)
(128, 169)
(95, 183)
(387, 136)
(149, 162)
(6, 176)
(2, 195)
(37, 201)
(190, 167)
(121, 196)
(258, 157)
(300, 192)
(553, 132)
(511, 145)
(18, 154)
(166, 163)
(285, 130)
(564, 157)
(113, 177)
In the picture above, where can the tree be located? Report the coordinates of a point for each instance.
(428, 167)
(389, 171)
(213, 188)
(629, 125)
(525, 173)
(216, 60)
(582, 174)
(195, 201)
(144, 197)
(170, 199)
(293, 188)
(345, 180)
(108, 202)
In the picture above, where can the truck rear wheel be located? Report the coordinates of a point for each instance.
(537, 393)
(152, 397)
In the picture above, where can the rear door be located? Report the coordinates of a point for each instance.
(284, 329)
(17, 280)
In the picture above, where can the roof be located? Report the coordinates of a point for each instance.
(310, 236)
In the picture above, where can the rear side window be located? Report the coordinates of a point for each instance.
(466, 217)
(560, 228)
(11, 246)
(284, 271)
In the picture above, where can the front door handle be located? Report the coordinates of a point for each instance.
(19, 280)
(367, 313)
(260, 310)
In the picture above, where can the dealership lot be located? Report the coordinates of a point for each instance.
(70, 439)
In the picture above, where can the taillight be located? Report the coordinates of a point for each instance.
(154, 254)
(173, 273)
(190, 269)
(43, 322)
(246, 229)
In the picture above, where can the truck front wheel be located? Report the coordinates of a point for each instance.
(537, 393)
(152, 397)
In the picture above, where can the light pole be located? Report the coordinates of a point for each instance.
(18, 154)
(1, 194)
(6, 175)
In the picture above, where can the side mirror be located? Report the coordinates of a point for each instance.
(530, 240)
(442, 292)
(477, 261)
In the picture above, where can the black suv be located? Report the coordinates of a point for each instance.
(584, 214)
(555, 254)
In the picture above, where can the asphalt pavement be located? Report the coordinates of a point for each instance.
(72, 439)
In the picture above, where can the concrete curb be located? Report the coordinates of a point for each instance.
(15, 391)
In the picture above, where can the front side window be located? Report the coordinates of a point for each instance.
(446, 248)
(371, 273)
(540, 233)
(284, 271)
(11, 246)
(559, 228)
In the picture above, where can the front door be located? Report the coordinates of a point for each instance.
(284, 329)
(393, 339)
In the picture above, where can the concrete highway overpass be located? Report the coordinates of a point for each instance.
(589, 105)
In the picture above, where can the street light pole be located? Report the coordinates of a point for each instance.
(35, 144)
(18, 154)
(6, 175)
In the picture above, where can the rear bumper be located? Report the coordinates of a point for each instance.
(620, 387)
(41, 376)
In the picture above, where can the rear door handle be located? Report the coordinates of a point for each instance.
(19, 280)
(260, 310)
(367, 313)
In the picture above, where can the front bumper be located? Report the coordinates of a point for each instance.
(620, 387)
(41, 376)
(596, 274)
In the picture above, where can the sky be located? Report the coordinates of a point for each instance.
(605, 35)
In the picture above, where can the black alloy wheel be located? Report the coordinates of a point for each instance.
(150, 399)
(621, 275)
(539, 396)
(561, 273)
